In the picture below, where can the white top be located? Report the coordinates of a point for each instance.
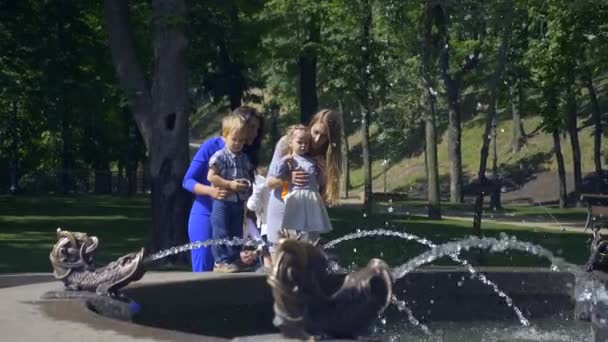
(258, 201)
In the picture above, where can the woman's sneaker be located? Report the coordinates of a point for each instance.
(223, 267)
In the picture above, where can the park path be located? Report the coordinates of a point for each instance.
(545, 222)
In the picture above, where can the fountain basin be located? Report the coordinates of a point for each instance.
(241, 305)
(188, 306)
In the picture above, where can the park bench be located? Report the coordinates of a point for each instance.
(597, 210)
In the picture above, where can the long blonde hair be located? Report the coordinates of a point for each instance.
(333, 153)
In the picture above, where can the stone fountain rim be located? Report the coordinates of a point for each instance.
(19, 292)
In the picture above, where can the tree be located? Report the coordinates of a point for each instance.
(505, 18)
(345, 169)
(293, 43)
(432, 170)
(364, 93)
(452, 81)
(590, 17)
(160, 109)
(587, 79)
(518, 74)
(224, 54)
(571, 117)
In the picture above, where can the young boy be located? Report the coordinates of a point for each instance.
(229, 168)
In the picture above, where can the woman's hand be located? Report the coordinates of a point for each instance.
(299, 177)
(219, 193)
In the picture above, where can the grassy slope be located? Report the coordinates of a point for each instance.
(407, 172)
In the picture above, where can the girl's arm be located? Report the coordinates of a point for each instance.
(272, 180)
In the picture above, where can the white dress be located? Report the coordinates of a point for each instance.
(304, 206)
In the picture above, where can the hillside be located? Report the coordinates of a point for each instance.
(530, 173)
(535, 162)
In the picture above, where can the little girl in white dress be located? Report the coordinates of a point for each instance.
(305, 210)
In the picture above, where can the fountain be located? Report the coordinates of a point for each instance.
(312, 300)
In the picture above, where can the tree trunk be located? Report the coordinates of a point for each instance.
(454, 145)
(518, 139)
(235, 82)
(501, 60)
(344, 150)
(365, 108)
(431, 160)
(367, 167)
(274, 125)
(132, 157)
(160, 111)
(14, 159)
(573, 132)
(597, 121)
(496, 181)
(561, 170)
(131, 178)
(66, 156)
(103, 177)
(307, 64)
(120, 179)
(432, 167)
(452, 87)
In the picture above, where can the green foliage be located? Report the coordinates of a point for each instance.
(55, 65)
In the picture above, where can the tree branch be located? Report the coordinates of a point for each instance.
(128, 69)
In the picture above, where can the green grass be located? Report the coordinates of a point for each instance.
(570, 246)
(28, 225)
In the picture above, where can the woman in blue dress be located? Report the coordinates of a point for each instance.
(195, 181)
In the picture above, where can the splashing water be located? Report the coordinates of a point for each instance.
(401, 306)
(236, 241)
(493, 244)
(454, 256)
(518, 187)
(553, 217)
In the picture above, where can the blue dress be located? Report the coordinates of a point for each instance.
(199, 223)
